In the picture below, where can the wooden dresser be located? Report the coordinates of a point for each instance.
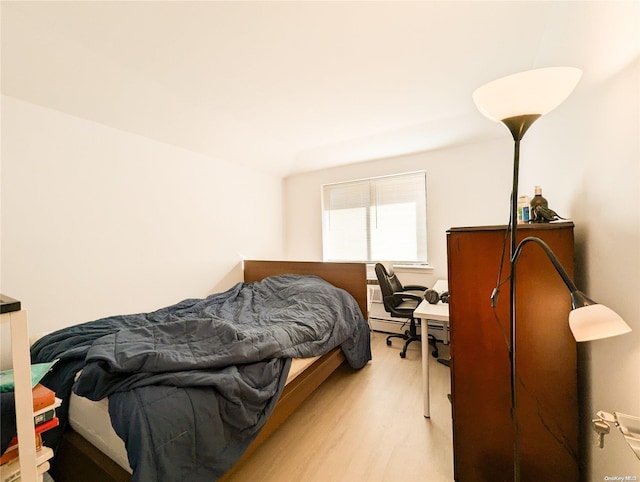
(483, 431)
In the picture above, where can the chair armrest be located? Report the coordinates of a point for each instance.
(402, 295)
(415, 287)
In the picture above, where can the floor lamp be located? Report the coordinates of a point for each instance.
(517, 101)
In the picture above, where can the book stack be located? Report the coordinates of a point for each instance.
(45, 404)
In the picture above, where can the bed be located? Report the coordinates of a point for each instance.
(78, 459)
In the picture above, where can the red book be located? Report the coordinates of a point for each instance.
(43, 427)
(39, 429)
(12, 452)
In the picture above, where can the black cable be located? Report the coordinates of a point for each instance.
(499, 283)
(496, 290)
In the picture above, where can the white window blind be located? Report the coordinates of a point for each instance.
(369, 220)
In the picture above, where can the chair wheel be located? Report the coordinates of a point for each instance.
(435, 353)
(388, 342)
(403, 354)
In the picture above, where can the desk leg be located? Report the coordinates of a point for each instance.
(425, 367)
(447, 335)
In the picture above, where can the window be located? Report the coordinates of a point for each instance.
(378, 219)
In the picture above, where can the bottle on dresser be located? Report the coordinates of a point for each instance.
(536, 202)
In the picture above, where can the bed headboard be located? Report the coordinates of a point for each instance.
(351, 277)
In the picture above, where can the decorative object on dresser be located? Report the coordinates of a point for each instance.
(517, 101)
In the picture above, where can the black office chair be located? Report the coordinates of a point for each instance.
(400, 302)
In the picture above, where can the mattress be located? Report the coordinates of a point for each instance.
(91, 419)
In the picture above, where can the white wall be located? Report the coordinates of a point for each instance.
(97, 221)
(586, 156)
(466, 186)
(589, 164)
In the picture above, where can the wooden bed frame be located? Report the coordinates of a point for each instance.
(77, 460)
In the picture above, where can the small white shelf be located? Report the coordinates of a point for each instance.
(629, 425)
(23, 396)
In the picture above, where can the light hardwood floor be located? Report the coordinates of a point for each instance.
(365, 425)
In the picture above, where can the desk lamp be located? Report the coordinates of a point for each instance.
(517, 101)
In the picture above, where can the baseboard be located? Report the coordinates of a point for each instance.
(400, 326)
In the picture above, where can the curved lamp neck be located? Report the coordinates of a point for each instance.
(552, 257)
(519, 124)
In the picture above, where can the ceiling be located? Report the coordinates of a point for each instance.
(289, 87)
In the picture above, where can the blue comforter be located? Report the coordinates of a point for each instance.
(191, 385)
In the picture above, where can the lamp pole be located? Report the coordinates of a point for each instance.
(498, 100)
(517, 125)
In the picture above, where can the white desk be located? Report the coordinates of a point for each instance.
(426, 311)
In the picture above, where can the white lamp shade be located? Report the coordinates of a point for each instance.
(536, 91)
(593, 322)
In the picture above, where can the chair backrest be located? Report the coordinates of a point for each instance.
(389, 284)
